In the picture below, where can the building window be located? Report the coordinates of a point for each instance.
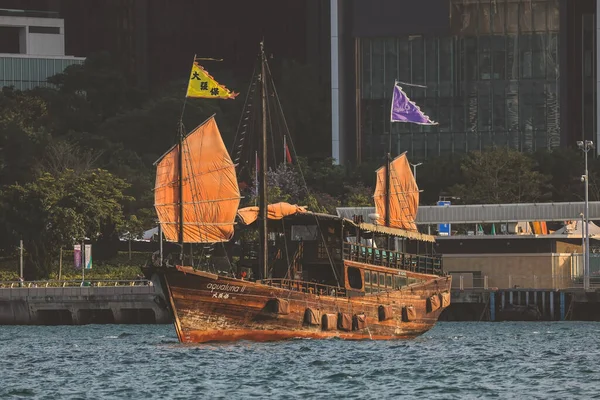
(491, 81)
(9, 40)
(45, 29)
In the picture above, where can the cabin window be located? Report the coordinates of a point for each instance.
(367, 277)
(388, 281)
(397, 282)
(374, 281)
(382, 280)
(354, 278)
(304, 232)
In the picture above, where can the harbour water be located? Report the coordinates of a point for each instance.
(454, 360)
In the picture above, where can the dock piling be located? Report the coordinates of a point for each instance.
(550, 305)
(544, 304)
(492, 306)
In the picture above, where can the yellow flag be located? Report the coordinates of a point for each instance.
(203, 85)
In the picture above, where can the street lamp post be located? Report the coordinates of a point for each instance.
(415, 169)
(585, 146)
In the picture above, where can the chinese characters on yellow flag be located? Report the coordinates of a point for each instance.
(203, 85)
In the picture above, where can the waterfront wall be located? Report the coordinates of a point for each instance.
(504, 271)
(83, 305)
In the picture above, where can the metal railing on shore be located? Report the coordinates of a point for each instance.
(74, 283)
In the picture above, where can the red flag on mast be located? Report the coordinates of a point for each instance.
(288, 155)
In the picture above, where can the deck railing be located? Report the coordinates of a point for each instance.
(393, 259)
(306, 287)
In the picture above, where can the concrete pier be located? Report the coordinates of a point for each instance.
(136, 303)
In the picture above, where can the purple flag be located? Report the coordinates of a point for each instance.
(404, 110)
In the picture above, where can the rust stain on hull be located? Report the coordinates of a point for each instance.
(210, 308)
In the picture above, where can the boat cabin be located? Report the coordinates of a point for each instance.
(324, 253)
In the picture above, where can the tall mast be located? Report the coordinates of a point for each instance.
(263, 258)
(388, 178)
(180, 168)
(387, 189)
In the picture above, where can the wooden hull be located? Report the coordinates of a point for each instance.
(209, 307)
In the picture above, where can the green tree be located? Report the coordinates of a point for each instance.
(564, 166)
(57, 211)
(437, 175)
(61, 155)
(101, 83)
(20, 152)
(500, 176)
(321, 202)
(23, 136)
(323, 176)
(358, 196)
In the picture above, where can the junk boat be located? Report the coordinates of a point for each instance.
(305, 274)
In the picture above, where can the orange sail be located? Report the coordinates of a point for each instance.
(211, 195)
(275, 211)
(404, 195)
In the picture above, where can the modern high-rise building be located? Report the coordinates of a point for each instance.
(32, 48)
(517, 73)
(154, 42)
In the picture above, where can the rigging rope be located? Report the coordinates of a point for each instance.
(271, 131)
(291, 142)
(244, 117)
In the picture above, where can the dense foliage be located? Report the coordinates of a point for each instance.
(76, 161)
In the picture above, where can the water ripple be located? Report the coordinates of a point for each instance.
(453, 361)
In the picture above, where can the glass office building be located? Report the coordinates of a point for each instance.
(492, 79)
(28, 72)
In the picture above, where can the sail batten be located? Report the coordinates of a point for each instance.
(199, 223)
(201, 202)
(211, 194)
(404, 195)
